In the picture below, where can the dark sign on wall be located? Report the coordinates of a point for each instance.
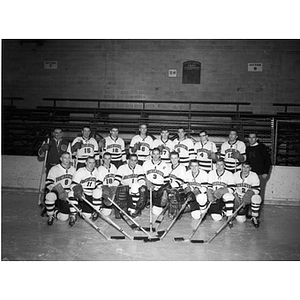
(191, 72)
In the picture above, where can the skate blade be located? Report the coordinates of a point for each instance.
(140, 238)
(198, 241)
(115, 237)
(155, 239)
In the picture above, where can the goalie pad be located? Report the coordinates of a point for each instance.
(160, 197)
(247, 196)
(190, 197)
(122, 195)
(174, 203)
(218, 194)
(78, 191)
(108, 193)
(142, 202)
(210, 195)
(62, 194)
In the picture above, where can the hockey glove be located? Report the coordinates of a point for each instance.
(136, 147)
(220, 192)
(78, 192)
(102, 144)
(247, 196)
(45, 147)
(187, 189)
(62, 194)
(76, 146)
(210, 195)
(196, 191)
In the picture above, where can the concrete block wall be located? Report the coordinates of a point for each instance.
(137, 69)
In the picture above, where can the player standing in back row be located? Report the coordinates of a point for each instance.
(184, 147)
(233, 152)
(165, 145)
(141, 145)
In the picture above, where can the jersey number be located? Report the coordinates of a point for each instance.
(87, 150)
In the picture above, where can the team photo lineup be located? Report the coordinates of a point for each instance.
(172, 177)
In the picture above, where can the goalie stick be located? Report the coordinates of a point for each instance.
(108, 220)
(43, 178)
(189, 239)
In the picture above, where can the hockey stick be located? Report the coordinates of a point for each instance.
(108, 220)
(132, 220)
(89, 221)
(189, 239)
(43, 178)
(224, 225)
(172, 223)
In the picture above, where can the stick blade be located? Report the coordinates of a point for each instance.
(178, 239)
(117, 237)
(198, 241)
(140, 238)
(147, 240)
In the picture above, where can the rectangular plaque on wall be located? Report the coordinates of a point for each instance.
(191, 72)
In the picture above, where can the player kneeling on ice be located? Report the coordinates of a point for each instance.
(247, 192)
(130, 188)
(220, 191)
(195, 189)
(86, 185)
(58, 184)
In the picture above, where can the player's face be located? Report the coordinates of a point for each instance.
(174, 160)
(246, 169)
(143, 129)
(114, 132)
(203, 137)
(155, 155)
(90, 164)
(57, 133)
(132, 162)
(86, 132)
(195, 167)
(232, 136)
(65, 160)
(220, 166)
(106, 159)
(252, 138)
(181, 133)
(164, 135)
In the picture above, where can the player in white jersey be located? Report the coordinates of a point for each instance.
(233, 152)
(106, 177)
(115, 145)
(131, 192)
(165, 145)
(185, 147)
(195, 188)
(58, 184)
(247, 191)
(87, 177)
(205, 152)
(157, 177)
(141, 145)
(83, 147)
(220, 190)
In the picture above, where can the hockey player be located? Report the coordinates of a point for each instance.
(131, 191)
(87, 178)
(58, 184)
(106, 177)
(205, 152)
(247, 191)
(57, 145)
(141, 145)
(185, 147)
(157, 178)
(233, 152)
(220, 191)
(195, 188)
(85, 146)
(165, 145)
(115, 145)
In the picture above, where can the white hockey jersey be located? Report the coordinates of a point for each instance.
(146, 145)
(202, 151)
(127, 176)
(186, 151)
(89, 148)
(198, 180)
(58, 174)
(106, 176)
(232, 164)
(116, 148)
(225, 180)
(157, 174)
(88, 180)
(177, 175)
(168, 148)
(251, 182)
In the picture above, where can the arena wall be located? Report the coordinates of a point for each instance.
(24, 173)
(138, 70)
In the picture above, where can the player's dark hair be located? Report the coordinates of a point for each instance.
(220, 160)
(156, 149)
(86, 126)
(174, 153)
(57, 128)
(246, 163)
(64, 152)
(132, 155)
(203, 131)
(164, 129)
(111, 127)
(106, 153)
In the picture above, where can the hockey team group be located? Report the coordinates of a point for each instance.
(90, 178)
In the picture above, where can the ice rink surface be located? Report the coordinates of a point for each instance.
(27, 237)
